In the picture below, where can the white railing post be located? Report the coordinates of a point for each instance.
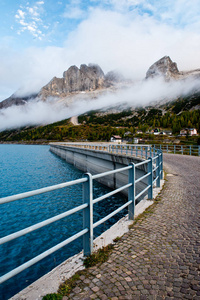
(161, 164)
(131, 192)
(150, 178)
(88, 215)
(158, 161)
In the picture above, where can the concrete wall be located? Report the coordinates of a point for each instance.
(96, 162)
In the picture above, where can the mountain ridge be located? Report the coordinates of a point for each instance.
(78, 86)
(75, 80)
(91, 78)
(168, 69)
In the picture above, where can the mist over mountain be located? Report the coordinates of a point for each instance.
(88, 88)
(168, 69)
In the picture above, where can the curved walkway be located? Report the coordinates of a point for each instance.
(159, 258)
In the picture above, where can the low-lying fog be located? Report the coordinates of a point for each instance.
(37, 112)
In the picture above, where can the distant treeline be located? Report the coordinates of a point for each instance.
(62, 132)
(144, 119)
(96, 125)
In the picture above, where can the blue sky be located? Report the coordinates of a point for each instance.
(40, 39)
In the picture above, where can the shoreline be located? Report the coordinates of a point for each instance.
(25, 143)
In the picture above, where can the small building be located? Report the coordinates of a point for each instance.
(188, 131)
(139, 132)
(116, 139)
(183, 132)
(128, 133)
(192, 131)
(156, 131)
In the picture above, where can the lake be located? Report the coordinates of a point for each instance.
(29, 167)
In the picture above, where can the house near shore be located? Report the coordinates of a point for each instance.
(188, 131)
(116, 139)
(156, 131)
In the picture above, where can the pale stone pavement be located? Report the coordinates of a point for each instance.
(159, 258)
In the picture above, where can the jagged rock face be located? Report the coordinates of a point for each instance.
(163, 67)
(113, 76)
(89, 82)
(14, 100)
(87, 78)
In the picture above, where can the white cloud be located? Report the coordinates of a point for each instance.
(128, 42)
(23, 23)
(33, 11)
(32, 113)
(40, 2)
(32, 28)
(73, 10)
(38, 112)
(73, 13)
(20, 14)
(30, 19)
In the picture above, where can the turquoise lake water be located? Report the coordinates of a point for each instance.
(29, 167)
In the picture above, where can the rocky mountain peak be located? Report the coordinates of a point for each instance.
(87, 78)
(89, 81)
(164, 67)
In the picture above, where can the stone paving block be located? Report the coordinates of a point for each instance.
(159, 257)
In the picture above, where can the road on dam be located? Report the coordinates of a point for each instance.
(159, 258)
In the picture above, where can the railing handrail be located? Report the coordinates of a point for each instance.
(178, 149)
(138, 149)
(141, 151)
(154, 174)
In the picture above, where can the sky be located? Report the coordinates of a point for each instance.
(42, 39)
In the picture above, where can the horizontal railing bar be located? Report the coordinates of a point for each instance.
(41, 191)
(112, 214)
(142, 192)
(155, 168)
(29, 229)
(143, 177)
(142, 163)
(155, 179)
(41, 256)
(154, 158)
(111, 172)
(89, 148)
(112, 193)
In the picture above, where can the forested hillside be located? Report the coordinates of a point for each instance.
(101, 125)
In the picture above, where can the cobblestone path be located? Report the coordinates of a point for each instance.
(159, 258)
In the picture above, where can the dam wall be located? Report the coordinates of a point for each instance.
(99, 161)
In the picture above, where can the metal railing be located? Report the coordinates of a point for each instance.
(179, 149)
(142, 151)
(152, 176)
